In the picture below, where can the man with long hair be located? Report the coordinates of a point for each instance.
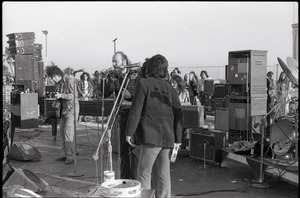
(65, 95)
(157, 109)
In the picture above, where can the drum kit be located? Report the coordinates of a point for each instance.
(284, 130)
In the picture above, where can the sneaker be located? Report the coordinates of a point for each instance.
(60, 159)
(69, 161)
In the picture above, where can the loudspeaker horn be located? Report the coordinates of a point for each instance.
(23, 152)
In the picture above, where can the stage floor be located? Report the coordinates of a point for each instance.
(189, 177)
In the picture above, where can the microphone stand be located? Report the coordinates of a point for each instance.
(75, 173)
(111, 121)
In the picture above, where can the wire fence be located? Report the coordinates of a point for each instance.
(218, 72)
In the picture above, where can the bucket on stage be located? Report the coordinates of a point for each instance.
(109, 177)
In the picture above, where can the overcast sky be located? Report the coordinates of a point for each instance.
(188, 34)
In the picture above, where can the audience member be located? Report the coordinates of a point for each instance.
(85, 90)
(271, 97)
(179, 85)
(282, 94)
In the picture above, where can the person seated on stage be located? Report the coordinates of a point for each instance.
(179, 85)
(85, 90)
(67, 95)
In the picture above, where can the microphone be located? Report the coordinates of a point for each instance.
(139, 64)
(76, 71)
(256, 125)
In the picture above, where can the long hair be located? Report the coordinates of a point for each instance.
(195, 76)
(52, 70)
(158, 66)
(204, 72)
(281, 80)
(85, 73)
(180, 82)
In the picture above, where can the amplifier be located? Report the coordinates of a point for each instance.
(38, 46)
(21, 50)
(217, 102)
(21, 36)
(220, 90)
(25, 68)
(38, 57)
(209, 86)
(193, 116)
(221, 119)
(207, 144)
(20, 43)
(25, 110)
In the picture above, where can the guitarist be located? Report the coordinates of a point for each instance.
(67, 95)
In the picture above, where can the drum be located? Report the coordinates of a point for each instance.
(283, 136)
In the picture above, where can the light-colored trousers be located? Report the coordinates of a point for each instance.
(67, 133)
(158, 159)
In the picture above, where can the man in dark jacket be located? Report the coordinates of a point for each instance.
(156, 107)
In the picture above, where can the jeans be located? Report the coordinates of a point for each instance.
(67, 134)
(158, 159)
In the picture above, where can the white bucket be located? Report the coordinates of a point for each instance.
(109, 177)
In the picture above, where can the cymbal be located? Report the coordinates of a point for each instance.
(293, 66)
(290, 70)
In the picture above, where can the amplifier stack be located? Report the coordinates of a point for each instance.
(246, 76)
(29, 73)
(27, 55)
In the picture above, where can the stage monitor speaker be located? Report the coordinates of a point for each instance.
(7, 171)
(26, 179)
(209, 142)
(23, 152)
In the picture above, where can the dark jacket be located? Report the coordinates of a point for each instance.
(156, 107)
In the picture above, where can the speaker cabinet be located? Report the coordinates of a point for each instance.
(221, 119)
(220, 90)
(206, 144)
(21, 36)
(25, 67)
(25, 110)
(26, 179)
(248, 67)
(193, 116)
(209, 86)
(217, 103)
(23, 152)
